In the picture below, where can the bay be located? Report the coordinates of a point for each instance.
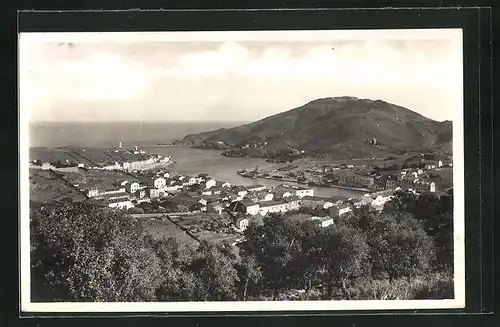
(191, 161)
(147, 135)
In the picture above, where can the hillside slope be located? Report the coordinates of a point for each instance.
(342, 126)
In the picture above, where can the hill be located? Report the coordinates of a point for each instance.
(75, 155)
(343, 127)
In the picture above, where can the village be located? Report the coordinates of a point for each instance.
(202, 206)
(417, 173)
(197, 194)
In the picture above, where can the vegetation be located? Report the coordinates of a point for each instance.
(80, 252)
(46, 187)
(309, 129)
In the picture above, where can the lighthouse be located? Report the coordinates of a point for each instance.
(120, 145)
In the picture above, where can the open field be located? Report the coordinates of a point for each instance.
(299, 217)
(204, 222)
(45, 187)
(164, 229)
(217, 237)
(100, 179)
(209, 227)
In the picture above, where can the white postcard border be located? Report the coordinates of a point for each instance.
(458, 179)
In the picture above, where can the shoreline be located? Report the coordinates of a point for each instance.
(312, 184)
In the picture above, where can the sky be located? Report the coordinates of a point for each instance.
(234, 76)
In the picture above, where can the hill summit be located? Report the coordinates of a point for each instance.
(345, 127)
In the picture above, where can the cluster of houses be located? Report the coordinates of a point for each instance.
(411, 179)
(150, 163)
(242, 202)
(134, 159)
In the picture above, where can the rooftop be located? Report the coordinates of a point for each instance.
(212, 198)
(255, 186)
(118, 200)
(341, 206)
(322, 219)
(291, 198)
(247, 202)
(271, 203)
(317, 198)
(116, 195)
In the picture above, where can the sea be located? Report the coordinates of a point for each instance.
(148, 136)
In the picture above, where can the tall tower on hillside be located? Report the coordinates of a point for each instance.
(120, 145)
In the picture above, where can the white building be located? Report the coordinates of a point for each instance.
(322, 221)
(192, 180)
(153, 193)
(216, 207)
(210, 183)
(120, 203)
(242, 223)
(267, 197)
(92, 193)
(256, 188)
(289, 190)
(379, 202)
(245, 206)
(340, 209)
(275, 207)
(314, 201)
(132, 187)
(301, 192)
(159, 182)
(242, 193)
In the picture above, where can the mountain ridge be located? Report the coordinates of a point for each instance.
(341, 126)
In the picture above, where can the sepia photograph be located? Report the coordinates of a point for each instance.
(241, 171)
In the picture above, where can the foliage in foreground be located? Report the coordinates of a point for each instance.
(80, 252)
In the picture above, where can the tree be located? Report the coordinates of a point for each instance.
(248, 272)
(178, 281)
(403, 201)
(135, 210)
(344, 254)
(308, 262)
(195, 188)
(215, 274)
(195, 207)
(80, 252)
(400, 246)
(274, 245)
(436, 214)
(359, 218)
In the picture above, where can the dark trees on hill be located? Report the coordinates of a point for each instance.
(274, 246)
(84, 253)
(80, 252)
(435, 214)
(343, 255)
